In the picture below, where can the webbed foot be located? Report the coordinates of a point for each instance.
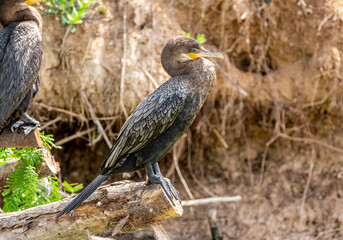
(156, 177)
(27, 125)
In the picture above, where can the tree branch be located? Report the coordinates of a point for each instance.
(145, 205)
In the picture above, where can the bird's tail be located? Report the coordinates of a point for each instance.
(83, 195)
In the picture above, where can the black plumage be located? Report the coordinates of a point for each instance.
(161, 118)
(21, 49)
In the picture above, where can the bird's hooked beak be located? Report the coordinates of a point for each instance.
(204, 53)
(30, 2)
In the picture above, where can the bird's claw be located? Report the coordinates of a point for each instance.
(167, 187)
(174, 191)
(27, 127)
(16, 126)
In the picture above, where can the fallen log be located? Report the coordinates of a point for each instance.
(103, 210)
(20, 140)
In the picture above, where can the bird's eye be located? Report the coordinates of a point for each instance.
(194, 50)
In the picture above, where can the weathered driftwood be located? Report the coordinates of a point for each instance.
(20, 140)
(144, 204)
(49, 167)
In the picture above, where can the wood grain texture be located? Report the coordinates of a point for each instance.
(20, 140)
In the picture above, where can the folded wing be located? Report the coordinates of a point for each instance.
(153, 116)
(21, 52)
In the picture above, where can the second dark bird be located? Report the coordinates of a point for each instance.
(21, 49)
(161, 118)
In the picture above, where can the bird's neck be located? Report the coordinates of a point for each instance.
(203, 73)
(192, 67)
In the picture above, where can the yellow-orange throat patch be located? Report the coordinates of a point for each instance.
(30, 2)
(192, 55)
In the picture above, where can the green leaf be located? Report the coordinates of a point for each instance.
(50, 11)
(186, 34)
(72, 12)
(102, 10)
(72, 28)
(72, 188)
(64, 20)
(201, 38)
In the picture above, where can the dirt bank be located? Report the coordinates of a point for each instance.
(286, 55)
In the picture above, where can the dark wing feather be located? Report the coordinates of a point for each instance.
(4, 36)
(153, 116)
(3, 41)
(20, 64)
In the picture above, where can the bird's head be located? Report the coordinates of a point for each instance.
(18, 10)
(181, 54)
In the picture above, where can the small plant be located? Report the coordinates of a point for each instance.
(72, 187)
(102, 10)
(200, 37)
(23, 188)
(72, 12)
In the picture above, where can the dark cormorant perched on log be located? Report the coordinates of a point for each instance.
(161, 118)
(21, 49)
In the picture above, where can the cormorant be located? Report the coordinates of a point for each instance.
(21, 49)
(161, 118)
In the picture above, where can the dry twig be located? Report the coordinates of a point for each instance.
(176, 155)
(213, 222)
(122, 81)
(221, 138)
(321, 234)
(190, 168)
(276, 133)
(98, 138)
(310, 141)
(151, 78)
(159, 232)
(96, 121)
(47, 124)
(320, 26)
(87, 49)
(247, 143)
(74, 136)
(203, 201)
(179, 145)
(305, 191)
(51, 108)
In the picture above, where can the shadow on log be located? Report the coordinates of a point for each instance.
(103, 210)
